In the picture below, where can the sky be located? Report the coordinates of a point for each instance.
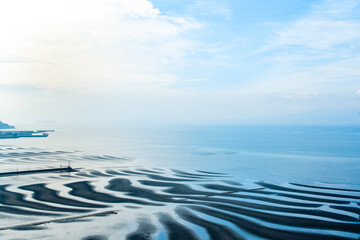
(180, 61)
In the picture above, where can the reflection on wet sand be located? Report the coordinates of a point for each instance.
(167, 203)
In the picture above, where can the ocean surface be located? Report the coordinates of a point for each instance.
(182, 182)
(306, 154)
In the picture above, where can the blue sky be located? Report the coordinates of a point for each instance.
(214, 61)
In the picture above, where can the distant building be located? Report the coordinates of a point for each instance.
(19, 134)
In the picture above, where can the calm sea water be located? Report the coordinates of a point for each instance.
(302, 154)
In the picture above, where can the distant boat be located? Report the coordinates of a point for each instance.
(19, 134)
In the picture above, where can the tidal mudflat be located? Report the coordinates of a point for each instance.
(109, 197)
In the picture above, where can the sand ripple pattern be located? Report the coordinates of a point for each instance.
(177, 204)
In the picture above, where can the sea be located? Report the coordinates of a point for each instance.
(196, 182)
(304, 154)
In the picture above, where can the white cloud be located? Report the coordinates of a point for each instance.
(302, 95)
(211, 7)
(317, 53)
(90, 44)
(197, 80)
(338, 9)
(331, 25)
(319, 34)
(125, 54)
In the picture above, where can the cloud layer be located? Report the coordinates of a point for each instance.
(78, 43)
(126, 60)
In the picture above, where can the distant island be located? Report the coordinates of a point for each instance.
(5, 126)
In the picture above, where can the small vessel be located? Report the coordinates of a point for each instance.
(19, 134)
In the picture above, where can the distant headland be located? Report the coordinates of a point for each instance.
(5, 126)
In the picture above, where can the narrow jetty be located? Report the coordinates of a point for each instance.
(64, 169)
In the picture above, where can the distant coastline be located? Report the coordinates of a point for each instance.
(5, 126)
(7, 132)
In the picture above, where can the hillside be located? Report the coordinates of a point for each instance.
(5, 126)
